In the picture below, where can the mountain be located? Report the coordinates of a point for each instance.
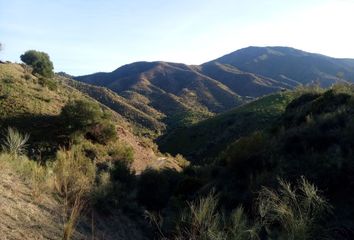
(291, 66)
(183, 94)
(178, 95)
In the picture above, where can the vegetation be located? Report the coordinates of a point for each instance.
(80, 114)
(293, 213)
(39, 61)
(14, 142)
(212, 136)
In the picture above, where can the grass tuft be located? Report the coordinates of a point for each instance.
(14, 142)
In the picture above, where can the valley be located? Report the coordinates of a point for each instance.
(256, 144)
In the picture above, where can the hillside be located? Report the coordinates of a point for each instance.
(142, 117)
(33, 105)
(291, 66)
(184, 94)
(208, 138)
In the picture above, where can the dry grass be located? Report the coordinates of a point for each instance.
(74, 177)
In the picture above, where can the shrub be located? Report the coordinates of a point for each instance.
(74, 173)
(80, 114)
(122, 172)
(246, 155)
(120, 151)
(102, 132)
(15, 142)
(49, 83)
(8, 79)
(74, 176)
(39, 61)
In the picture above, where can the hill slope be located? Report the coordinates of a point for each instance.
(291, 66)
(138, 114)
(33, 105)
(208, 138)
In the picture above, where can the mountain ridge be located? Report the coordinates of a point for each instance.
(221, 84)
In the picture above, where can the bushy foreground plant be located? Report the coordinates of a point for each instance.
(74, 176)
(291, 213)
(203, 221)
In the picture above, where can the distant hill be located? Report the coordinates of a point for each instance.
(143, 118)
(208, 138)
(291, 66)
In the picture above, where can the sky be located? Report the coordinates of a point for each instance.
(86, 36)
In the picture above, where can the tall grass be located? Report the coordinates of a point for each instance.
(292, 212)
(203, 221)
(14, 142)
(74, 176)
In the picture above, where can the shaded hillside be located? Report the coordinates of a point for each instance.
(291, 66)
(137, 113)
(208, 138)
(33, 105)
(313, 138)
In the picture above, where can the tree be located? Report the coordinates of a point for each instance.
(39, 61)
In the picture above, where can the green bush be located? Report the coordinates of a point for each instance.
(120, 151)
(39, 61)
(80, 114)
(246, 155)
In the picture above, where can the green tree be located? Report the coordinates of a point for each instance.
(39, 61)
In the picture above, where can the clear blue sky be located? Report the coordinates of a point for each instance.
(86, 36)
